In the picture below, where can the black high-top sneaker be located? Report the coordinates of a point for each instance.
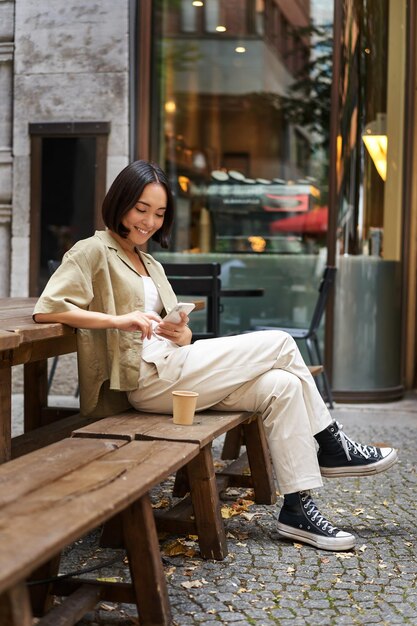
(301, 520)
(340, 456)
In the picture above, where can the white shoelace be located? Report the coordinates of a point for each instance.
(315, 514)
(348, 444)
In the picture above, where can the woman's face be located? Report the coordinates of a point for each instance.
(147, 216)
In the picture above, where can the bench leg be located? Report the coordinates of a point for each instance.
(206, 505)
(6, 412)
(112, 534)
(259, 462)
(15, 609)
(181, 485)
(40, 597)
(35, 393)
(148, 578)
(232, 444)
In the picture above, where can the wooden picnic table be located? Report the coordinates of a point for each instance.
(23, 342)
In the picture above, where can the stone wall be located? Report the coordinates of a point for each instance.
(6, 161)
(71, 65)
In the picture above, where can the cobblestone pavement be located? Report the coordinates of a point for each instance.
(266, 580)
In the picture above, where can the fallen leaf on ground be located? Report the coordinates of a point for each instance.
(161, 504)
(249, 516)
(343, 555)
(107, 607)
(178, 547)
(238, 507)
(110, 579)
(192, 584)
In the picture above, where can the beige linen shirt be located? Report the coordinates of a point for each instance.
(96, 275)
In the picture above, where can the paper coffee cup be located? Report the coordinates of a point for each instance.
(184, 404)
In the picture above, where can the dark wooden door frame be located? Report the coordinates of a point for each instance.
(142, 67)
(96, 130)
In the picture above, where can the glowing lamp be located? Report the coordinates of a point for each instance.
(376, 142)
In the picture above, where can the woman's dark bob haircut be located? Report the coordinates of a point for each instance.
(126, 190)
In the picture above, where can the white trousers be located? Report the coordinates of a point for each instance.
(262, 372)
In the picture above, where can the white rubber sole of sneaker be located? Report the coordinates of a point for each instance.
(361, 470)
(335, 544)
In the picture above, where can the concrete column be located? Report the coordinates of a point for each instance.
(5, 221)
(6, 160)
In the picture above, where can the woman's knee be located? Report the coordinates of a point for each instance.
(289, 384)
(279, 382)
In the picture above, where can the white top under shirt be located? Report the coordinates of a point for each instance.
(153, 303)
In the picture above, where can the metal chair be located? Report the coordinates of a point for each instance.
(309, 335)
(199, 279)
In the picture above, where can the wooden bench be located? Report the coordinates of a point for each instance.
(54, 496)
(200, 478)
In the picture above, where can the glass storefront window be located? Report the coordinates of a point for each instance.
(241, 108)
(369, 196)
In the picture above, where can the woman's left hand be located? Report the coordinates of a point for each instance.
(178, 333)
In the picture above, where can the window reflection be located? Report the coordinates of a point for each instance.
(364, 182)
(244, 123)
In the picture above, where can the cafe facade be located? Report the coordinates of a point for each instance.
(287, 130)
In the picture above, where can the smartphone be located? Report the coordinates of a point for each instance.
(174, 315)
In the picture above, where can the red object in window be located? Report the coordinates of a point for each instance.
(313, 222)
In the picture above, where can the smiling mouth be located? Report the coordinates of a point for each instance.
(144, 232)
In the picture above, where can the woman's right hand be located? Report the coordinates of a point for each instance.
(137, 321)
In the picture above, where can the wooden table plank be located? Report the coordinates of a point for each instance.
(22, 341)
(30, 331)
(7, 304)
(130, 425)
(101, 489)
(48, 464)
(12, 303)
(8, 340)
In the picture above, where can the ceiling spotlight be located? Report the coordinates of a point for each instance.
(170, 106)
(197, 3)
(221, 29)
(240, 49)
